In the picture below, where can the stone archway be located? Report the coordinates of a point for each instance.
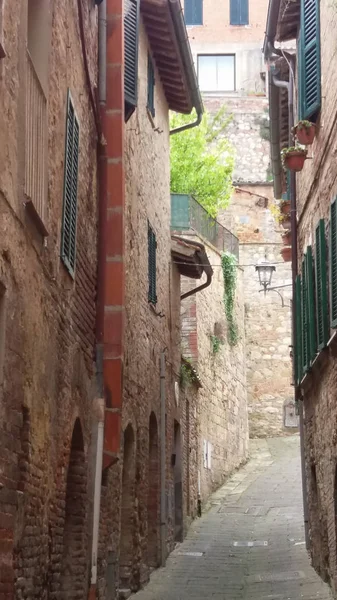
(126, 558)
(74, 575)
(153, 494)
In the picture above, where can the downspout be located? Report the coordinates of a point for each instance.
(101, 250)
(200, 287)
(180, 28)
(162, 460)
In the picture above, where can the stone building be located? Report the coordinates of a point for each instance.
(309, 93)
(220, 398)
(226, 43)
(48, 264)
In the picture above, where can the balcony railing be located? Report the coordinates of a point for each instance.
(188, 215)
(36, 143)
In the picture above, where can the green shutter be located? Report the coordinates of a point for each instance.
(152, 261)
(322, 321)
(309, 63)
(311, 305)
(69, 220)
(305, 324)
(298, 334)
(150, 86)
(333, 264)
(131, 32)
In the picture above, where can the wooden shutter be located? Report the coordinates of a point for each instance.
(298, 336)
(305, 324)
(310, 61)
(69, 221)
(150, 86)
(312, 339)
(239, 12)
(152, 260)
(333, 264)
(131, 29)
(322, 322)
(193, 12)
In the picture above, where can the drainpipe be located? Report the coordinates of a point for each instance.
(101, 247)
(162, 460)
(200, 287)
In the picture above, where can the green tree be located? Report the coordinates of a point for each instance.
(202, 160)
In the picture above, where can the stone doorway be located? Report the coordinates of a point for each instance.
(153, 495)
(73, 575)
(178, 487)
(127, 512)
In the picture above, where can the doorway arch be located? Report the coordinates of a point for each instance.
(127, 510)
(153, 495)
(74, 575)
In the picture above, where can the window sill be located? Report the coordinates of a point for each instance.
(35, 217)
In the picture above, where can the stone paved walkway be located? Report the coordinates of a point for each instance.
(250, 543)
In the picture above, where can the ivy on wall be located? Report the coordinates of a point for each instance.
(229, 270)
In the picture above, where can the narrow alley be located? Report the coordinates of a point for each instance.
(250, 542)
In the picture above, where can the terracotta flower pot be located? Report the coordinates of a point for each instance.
(286, 253)
(285, 222)
(306, 135)
(286, 238)
(294, 160)
(285, 207)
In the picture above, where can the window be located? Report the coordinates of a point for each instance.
(68, 242)
(333, 263)
(2, 330)
(152, 259)
(321, 289)
(216, 72)
(150, 86)
(131, 30)
(309, 68)
(298, 339)
(239, 12)
(193, 12)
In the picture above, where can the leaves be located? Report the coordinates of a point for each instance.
(229, 270)
(202, 160)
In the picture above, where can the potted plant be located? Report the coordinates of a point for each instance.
(286, 238)
(293, 158)
(285, 207)
(305, 132)
(285, 221)
(286, 253)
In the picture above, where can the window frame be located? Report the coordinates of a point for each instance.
(218, 91)
(309, 111)
(152, 264)
(240, 24)
(151, 82)
(131, 96)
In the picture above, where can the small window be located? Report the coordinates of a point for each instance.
(239, 12)
(68, 243)
(152, 258)
(216, 72)
(193, 12)
(150, 86)
(131, 33)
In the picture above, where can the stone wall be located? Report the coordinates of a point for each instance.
(316, 189)
(267, 322)
(130, 534)
(221, 401)
(47, 384)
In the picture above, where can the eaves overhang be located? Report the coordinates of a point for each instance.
(168, 39)
(190, 258)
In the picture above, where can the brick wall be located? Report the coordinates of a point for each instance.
(48, 370)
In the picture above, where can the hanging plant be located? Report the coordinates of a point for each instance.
(229, 270)
(286, 238)
(305, 132)
(286, 253)
(285, 207)
(293, 158)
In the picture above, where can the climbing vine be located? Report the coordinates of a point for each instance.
(216, 343)
(187, 374)
(229, 270)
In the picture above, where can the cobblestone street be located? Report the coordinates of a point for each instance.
(249, 544)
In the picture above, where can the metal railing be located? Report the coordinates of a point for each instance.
(188, 215)
(36, 142)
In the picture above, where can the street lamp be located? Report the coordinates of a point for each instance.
(265, 271)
